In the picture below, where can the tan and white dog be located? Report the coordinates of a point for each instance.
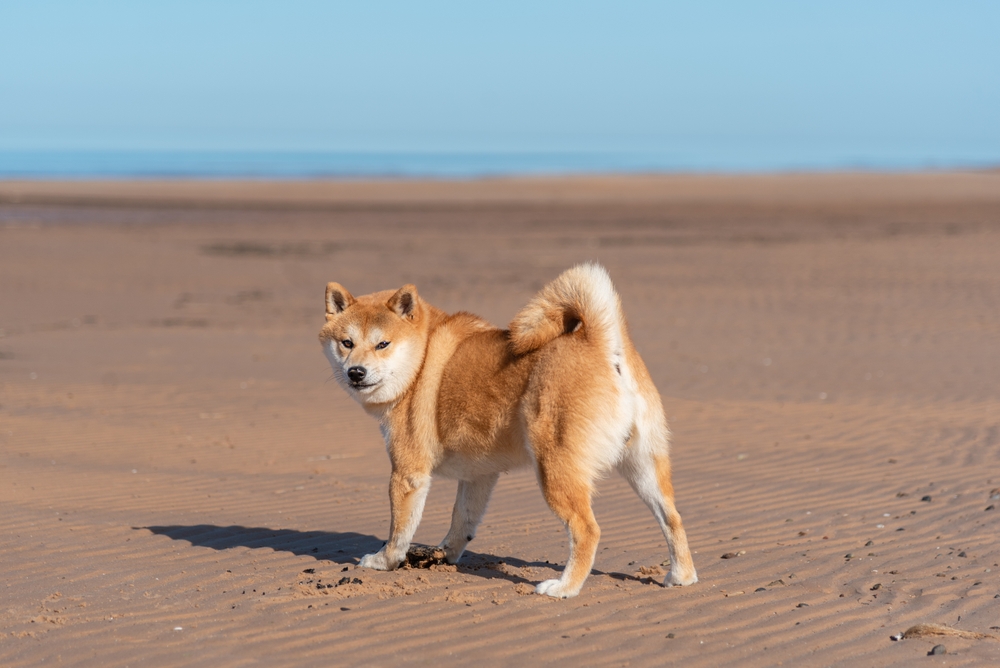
(563, 390)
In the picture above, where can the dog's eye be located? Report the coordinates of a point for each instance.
(347, 343)
(382, 345)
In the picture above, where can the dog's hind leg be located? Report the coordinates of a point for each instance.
(407, 493)
(568, 493)
(646, 466)
(470, 504)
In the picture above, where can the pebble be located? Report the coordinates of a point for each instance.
(990, 507)
(729, 555)
(962, 554)
(937, 649)
(995, 494)
(869, 543)
(926, 498)
(671, 635)
(802, 605)
(849, 555)
(759, 589)
(876, 586)
(896, 636)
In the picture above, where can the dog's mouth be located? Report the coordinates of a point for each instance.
(362, 385)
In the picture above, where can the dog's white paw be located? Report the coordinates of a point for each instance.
(555, 589)
(680, 579)
(451, 555)
(376, 561)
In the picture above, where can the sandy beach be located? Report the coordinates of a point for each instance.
(182, 483)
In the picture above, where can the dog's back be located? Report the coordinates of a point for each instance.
(561, 366)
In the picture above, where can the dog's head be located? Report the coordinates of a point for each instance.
(375, 343)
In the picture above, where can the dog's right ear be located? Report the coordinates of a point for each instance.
(337, 299)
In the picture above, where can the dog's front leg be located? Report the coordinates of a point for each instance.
(407, 493)
(470, 504)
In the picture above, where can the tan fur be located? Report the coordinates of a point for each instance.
(563, 390)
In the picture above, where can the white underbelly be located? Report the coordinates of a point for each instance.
(464, 467)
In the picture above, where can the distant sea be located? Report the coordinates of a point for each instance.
(151, 164)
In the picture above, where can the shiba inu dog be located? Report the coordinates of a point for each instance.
(563, 390)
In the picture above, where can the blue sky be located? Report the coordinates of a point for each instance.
(513, 76)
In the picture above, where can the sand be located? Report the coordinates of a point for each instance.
(182, 483)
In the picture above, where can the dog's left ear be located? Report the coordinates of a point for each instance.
(405, 302)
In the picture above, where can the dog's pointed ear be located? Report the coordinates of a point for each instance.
(405, 302)
(337, 299)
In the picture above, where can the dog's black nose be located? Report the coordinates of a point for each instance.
(357, 373)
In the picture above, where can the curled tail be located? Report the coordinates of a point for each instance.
(580, 299)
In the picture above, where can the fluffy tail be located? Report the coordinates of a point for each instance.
(580, 299)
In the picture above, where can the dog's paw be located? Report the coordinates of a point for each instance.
(376, 561)
(680, 579)
(556, 589)
(451, 555)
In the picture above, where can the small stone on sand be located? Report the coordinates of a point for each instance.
(936, 650)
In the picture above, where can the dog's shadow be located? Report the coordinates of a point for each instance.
(339, 548)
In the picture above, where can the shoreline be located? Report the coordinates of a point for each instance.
(945, 186)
